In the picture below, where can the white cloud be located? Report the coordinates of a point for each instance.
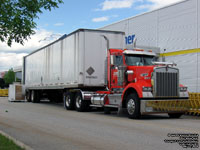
(10, 60)
(156, 4)
(114, 4)
(104, 18)
(12, 56)
(141, 4)
(43, 26)
(59, 24)
(41, 38)
(100, 19)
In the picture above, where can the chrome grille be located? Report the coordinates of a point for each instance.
(166, 83)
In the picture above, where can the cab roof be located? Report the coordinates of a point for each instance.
(136, 52)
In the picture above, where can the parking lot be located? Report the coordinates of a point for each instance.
(48, 126)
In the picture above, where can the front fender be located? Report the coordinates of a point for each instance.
(137, 87)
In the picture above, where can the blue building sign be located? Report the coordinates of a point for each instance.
(129, 39)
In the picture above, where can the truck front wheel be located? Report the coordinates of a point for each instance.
(133, 106)
(68, 101)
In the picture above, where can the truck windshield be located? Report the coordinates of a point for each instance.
(140, 60)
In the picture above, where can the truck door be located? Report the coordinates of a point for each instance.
(117, 62)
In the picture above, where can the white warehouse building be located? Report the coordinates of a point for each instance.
(175, 29)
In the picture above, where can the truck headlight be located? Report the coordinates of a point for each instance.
(183, 89)
(147, 89)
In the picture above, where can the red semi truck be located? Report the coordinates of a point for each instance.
(110, 78)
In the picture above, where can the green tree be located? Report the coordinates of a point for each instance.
(2, 83)
(9, 77)
(17, 18)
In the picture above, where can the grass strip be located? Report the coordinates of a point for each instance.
(7, 144)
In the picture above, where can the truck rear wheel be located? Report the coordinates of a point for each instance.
(80, 104)
(68, 101)
(133, 106)
(175, 115)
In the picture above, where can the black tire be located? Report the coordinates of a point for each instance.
(175, 115)
(80, 104)
(32, 96)
(28, 96)
(35, 96)
(133, 106)
(68, 100)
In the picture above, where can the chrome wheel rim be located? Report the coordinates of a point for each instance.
(32, 96)
(67, 101)
(131, 106)
(78, 102)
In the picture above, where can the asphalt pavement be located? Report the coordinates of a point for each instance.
(47, 126)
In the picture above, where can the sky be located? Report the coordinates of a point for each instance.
(70, 16)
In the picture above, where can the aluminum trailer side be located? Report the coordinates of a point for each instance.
(74, 61)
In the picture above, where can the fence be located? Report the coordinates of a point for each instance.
(194, 104)
(191, 106)
(3, 92)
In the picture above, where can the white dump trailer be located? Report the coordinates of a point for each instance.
(76, 60)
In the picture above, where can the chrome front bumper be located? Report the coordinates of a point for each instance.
(164, 106)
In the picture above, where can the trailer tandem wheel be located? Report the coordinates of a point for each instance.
(69, 101)
(35, 96)
(28, 96)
